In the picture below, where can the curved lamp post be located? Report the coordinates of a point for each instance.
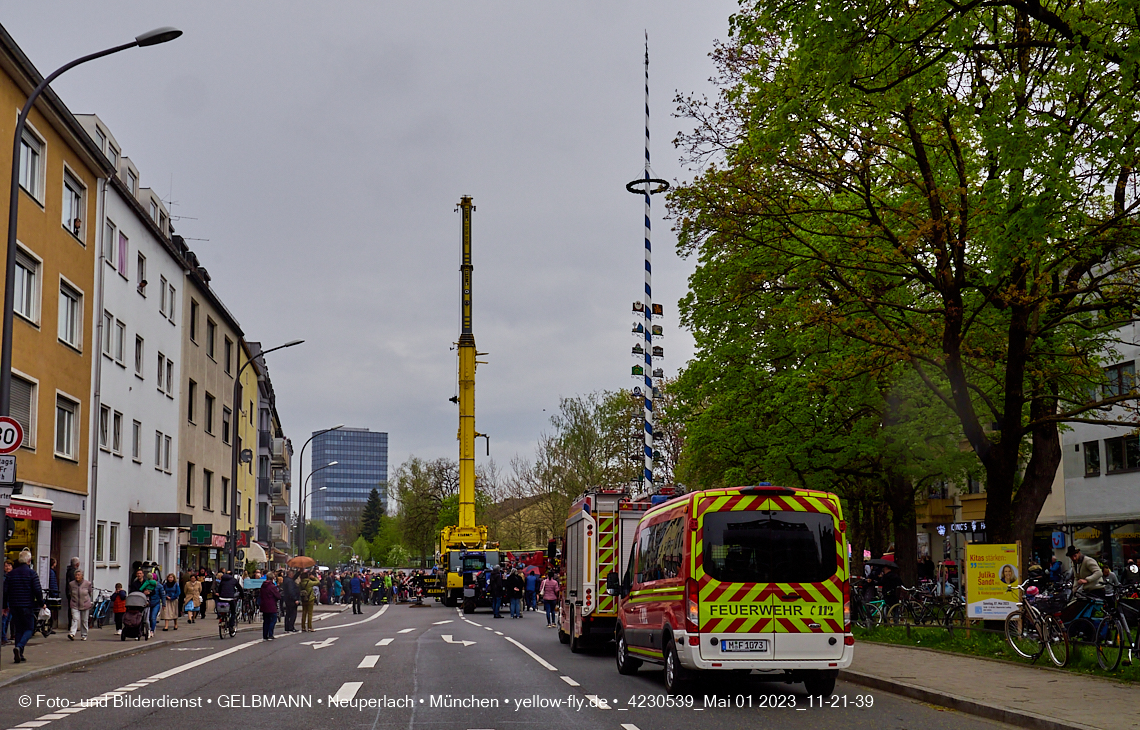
(235, 448)
(301, 462)
(304, 494)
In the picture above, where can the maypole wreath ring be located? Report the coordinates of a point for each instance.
(662, 186)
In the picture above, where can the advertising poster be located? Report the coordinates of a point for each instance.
(992, 575)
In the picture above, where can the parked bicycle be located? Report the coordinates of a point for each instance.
(102, 609)
(1034, 627)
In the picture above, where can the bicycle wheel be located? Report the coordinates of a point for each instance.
(1058, 644)
(895, 615)
(221, 629)
(1023, 635)
(1111, 638)
(955, 617)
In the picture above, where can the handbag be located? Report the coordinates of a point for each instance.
(189, 605)
(45, 613)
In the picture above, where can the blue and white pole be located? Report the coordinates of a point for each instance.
(648, 186)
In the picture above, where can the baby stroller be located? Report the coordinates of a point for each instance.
(135, 623)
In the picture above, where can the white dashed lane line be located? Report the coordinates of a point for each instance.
(368, 662)
(384, 642)
(348, 691)
(570, 682)
(599, 702)
(627, 726)
(533, 656)
(438, 623)
(405, 631)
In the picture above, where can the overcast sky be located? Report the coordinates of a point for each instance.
(321, 148)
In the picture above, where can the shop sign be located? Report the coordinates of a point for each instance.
(1058, 541)
(213, 555)
(971, 526)
(1127, 532)
(1089, 533)
(991, 580)
(21, 511)
(201, 534)
(218, 541)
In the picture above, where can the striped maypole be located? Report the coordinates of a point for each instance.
(647, 476)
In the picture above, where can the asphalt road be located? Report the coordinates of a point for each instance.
(409, 667)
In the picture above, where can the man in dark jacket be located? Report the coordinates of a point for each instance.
(23, 594)
(71, 568)
(290, 600)
(496, 590)
(268, 598)
(356, 590)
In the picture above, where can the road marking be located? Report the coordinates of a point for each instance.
(449, 640)
(71, 710)
(499, 633)
(347, 691)
(321, 644)
(384, 642)
(488, 628)
(204, 660)
(53, 716)
(598, 702)
(34, 723)
(437, 623)
(373, 617)
(570, 682)
(627, 726)
(473, 623)
(533, 656)
(194, 648)
(405, 631)
(368, 662)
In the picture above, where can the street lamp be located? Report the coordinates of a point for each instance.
(151, 38)
(236, 446)
(304, 494)
(301, 461)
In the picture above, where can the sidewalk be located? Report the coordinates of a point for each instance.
(1033, 697)
(56, 654)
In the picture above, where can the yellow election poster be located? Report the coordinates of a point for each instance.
(992, 575)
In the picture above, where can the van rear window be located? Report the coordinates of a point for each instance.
(769, 546)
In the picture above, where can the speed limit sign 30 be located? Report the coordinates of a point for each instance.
(11, 434)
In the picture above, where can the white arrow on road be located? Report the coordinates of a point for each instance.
(449, 640)
(321, 644)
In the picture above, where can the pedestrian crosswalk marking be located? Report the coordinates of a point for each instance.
(347, 692)
(368, 662)
(384, 642)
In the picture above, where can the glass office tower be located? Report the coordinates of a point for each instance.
(362, 464)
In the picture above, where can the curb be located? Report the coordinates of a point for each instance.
(100, 658)
(970, 707)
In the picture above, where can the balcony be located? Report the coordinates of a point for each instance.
(281, 512)
(263, 533)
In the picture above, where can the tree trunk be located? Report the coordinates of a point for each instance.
(900, 496)
(877, 538)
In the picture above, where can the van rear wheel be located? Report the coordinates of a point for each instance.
(625, 663)
(821, 682)
(677, 678)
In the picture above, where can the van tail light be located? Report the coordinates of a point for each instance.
(692, 610)
(847, 606)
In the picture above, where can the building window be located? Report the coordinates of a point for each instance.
(120, 340)
(169, 378)
(154, 211)
(149, 544)
(193, 320)
(31, 164)
(225, 505)
(100, 139)
(70, 315)
(113, 544)
(1123, 453)
(104, 427)
(170, 309)
(139, 355)
(72, 205)
(23, 408)
(162, 296)
(113, 156)
(207, 489)
(66, 421)
(108, 325)
(100, 540)
(162, 221)
(124, 248)
(208, 414)
(161, 371)
(132, 183)
(26, 287)
(227, 414)
(167, 444)
(117, 433)
(228, 353)
(140, 273)
(136, 441)
(211, 329)
(189, 484)
(109, 242)
(158, 450)
(1121, 379)
(191, 396)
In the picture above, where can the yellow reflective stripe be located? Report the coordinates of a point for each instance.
(646, 652)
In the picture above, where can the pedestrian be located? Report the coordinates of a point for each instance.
(310, 593)
(355, 591)
(1087, 575)
(23, 594)
(268, 597)
(53, 591)
(192, 594)
(1109, 577)
(171, 594)
(137, 581)
(80, 598)
(6, 620)
(337, 588)
(70, 576)
(513, 587)
(495, 585)
(290, 600)
(153, 591)
(119, 607)
(549, 590)
(207, 580)
(531, 588)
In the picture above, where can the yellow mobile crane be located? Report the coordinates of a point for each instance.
(464, 550)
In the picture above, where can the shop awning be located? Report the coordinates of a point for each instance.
(255, 553)
(30, 508)
(160, 519)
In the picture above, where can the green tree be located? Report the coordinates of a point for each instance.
(370, 517)
(398, 556)
(316, 533)
(955, 184)
(361, 549)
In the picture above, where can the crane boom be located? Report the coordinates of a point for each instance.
(467, 366)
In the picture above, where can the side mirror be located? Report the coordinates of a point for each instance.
(613, 584)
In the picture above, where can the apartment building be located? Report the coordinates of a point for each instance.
(53, 343)
(274, 473)
(137, 321)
